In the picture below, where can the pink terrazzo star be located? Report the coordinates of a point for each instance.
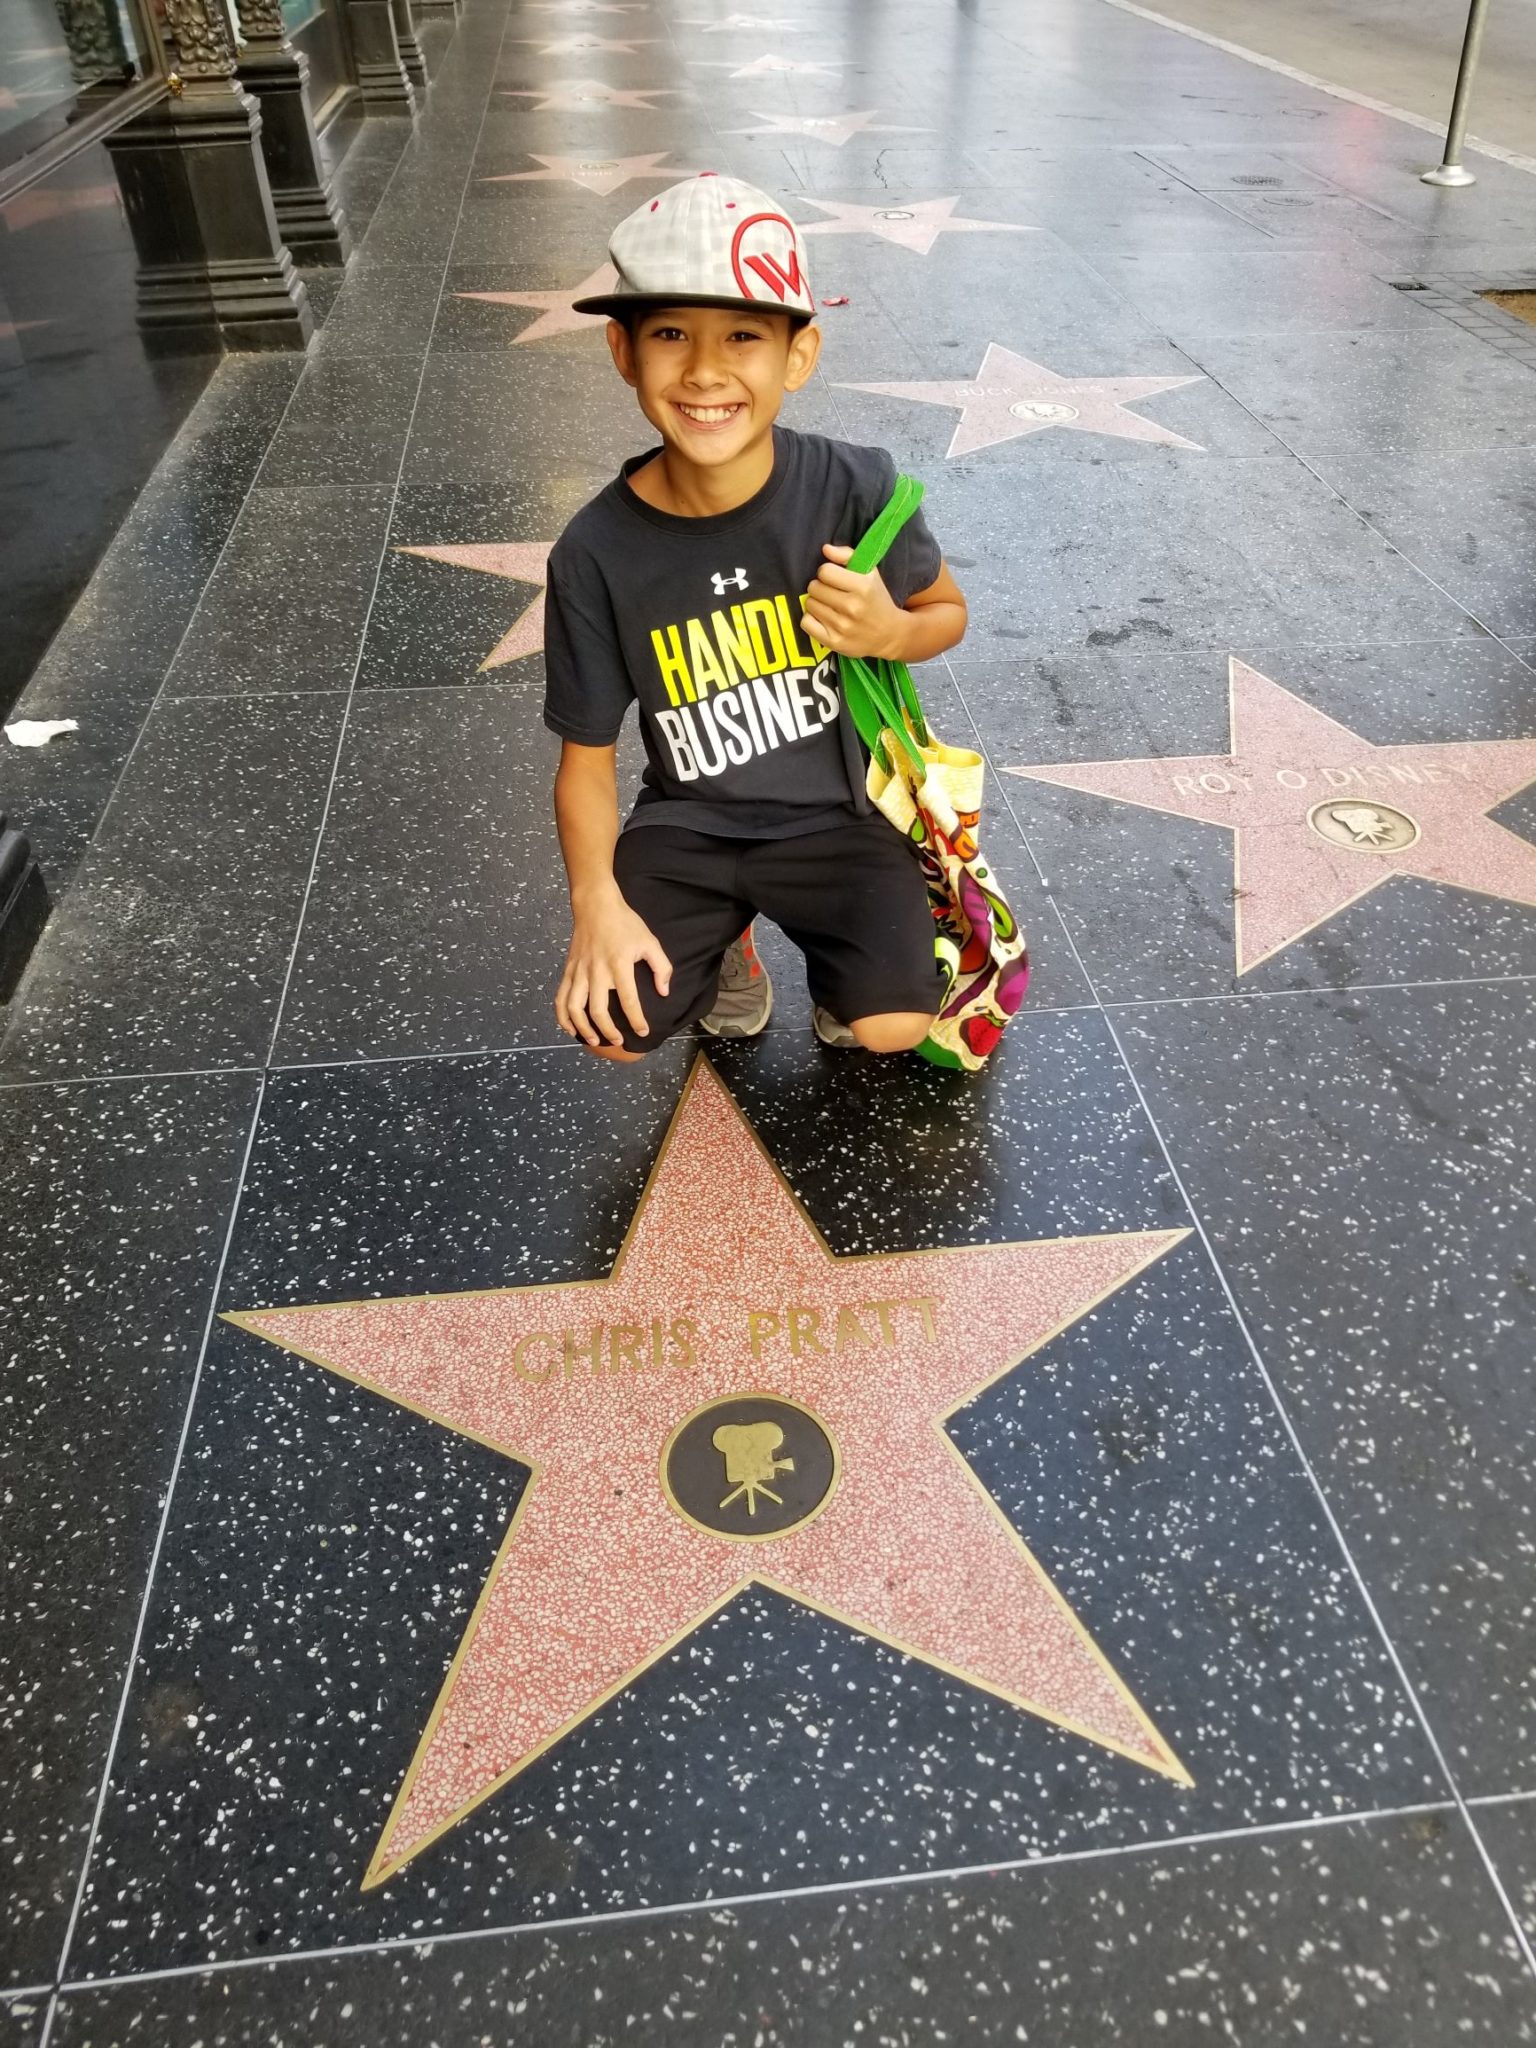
(771, 66)
(834, 128)
(730, 23)
(1010, 396)
(601, 175)
(583, 95)
(574, 46)
(723, 1289)
(1322, 817)
(910, 223)
(521, 561)
(556, 315)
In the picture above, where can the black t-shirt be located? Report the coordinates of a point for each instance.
(699, 622)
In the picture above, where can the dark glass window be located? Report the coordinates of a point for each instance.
(59, 61)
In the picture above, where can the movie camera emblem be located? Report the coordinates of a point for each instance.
(750, 1467)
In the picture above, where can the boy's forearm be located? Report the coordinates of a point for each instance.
(587, 819)
(928, 630)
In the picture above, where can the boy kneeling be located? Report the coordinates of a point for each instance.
(687, 586)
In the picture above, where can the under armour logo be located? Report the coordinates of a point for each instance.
(724, 583)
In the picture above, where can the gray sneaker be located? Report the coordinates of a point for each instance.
(744, 1002)
(830, 1031)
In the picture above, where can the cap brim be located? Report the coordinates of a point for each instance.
(616, 304)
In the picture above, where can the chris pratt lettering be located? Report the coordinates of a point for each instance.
(788, 1329)
(543, 1355)
(806, 1329)
(741, 682)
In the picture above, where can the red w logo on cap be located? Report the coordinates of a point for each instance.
(782, 280)
(775, 276)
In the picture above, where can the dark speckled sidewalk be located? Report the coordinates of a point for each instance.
(1180, 1689)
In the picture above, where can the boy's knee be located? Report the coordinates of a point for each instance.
(895, 1031)
(614, 1052)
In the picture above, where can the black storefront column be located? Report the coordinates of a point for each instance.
(381, 76)
(24, 905)
(410, 49)
(308, 218)
(213, 267)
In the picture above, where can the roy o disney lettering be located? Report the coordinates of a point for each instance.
(1373, 775)
(788, 1330)
(740, 683)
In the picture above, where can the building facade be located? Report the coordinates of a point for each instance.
(166, 189)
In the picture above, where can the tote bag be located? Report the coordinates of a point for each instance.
(932, 795)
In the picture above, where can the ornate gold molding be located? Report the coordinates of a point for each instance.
(261, 18)
(204, 47)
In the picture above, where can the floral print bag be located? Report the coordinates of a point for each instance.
(932, 795)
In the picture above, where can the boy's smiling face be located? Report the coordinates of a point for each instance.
(711, 379)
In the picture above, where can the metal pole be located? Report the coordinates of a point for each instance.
(1452, 171)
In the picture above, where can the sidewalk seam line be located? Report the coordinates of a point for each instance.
(1512, 157)
(284, 992)
(136, 1643)
(1326, 991)
(1197, 1220)
(735, 1901)
(131, 1665)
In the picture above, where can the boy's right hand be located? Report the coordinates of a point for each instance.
(607, 943)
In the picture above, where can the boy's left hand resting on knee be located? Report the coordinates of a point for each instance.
(856, 614)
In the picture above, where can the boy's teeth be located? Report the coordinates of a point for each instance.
(709, 414)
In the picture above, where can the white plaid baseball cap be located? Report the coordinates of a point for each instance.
(711, 241)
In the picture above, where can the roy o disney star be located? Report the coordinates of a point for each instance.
(707, 584)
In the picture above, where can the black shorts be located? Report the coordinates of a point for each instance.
(852, 899)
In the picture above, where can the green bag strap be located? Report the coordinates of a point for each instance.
(882, 696)
(861, 707)
(876, 710)
(910, 698)
(875, 545)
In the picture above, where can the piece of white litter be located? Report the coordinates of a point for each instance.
(37, 732)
